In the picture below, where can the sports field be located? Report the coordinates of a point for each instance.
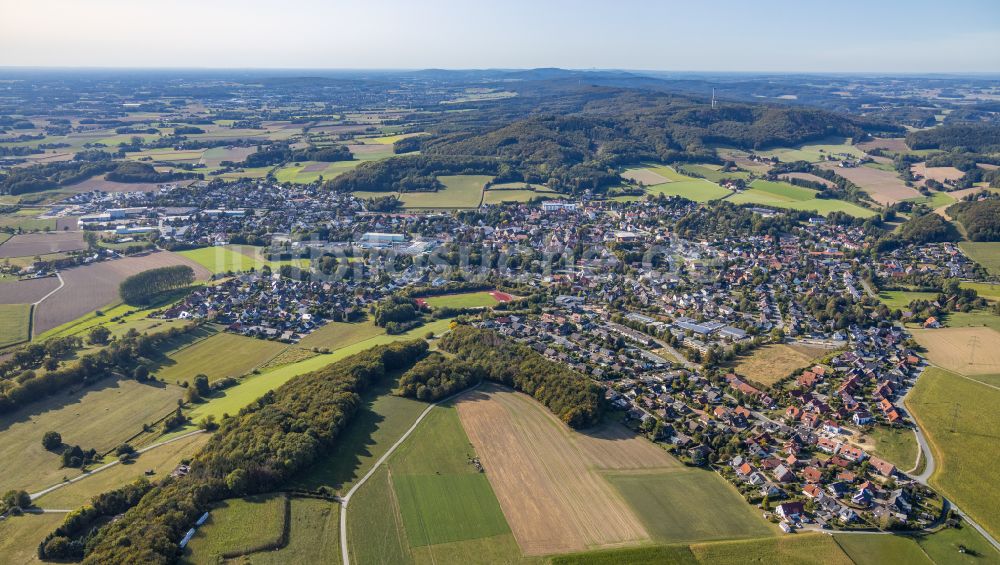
(227, 258)
(960, 419)
(784, 195)
(986, 253)
(100, 417)
(460, 191)
(221, 355)
(965, 350)
(14, 319)
(238, 525)
(769, 364)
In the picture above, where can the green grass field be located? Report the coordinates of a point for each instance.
(882, 550)
(227, 258)
(712, 172)
(900, 299)
(14, 321)
(481, 299)
(20, 536)
(100, 417)
(935, 200)
(896, 445)
(648, 555)
(986, 290)
(814, 152)
(975, 318)
(250, 388)
(985, 253)
(460, 191)
(434, 506)
(161, 460)
(313, 536)
(221, 355)
(235, 525)
(787, 550)
(26, 223)
(698, 190)
(784, 195)
(961, 421)
(381, 420)
(309, 171)
(515, 192)
(688, 505)
(940, 547)
(334, 335)
(447, 508)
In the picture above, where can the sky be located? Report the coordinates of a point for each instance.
(902, 36)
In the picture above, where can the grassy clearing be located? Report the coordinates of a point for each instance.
(100, 417)
(688, 505)
(649, 555)
(771, 363)
(900, 299)
(814, 152)
(481, 299)
(310, 171)
(986, 290)
(234, 258)
(374, 526)
(20, 536)
(161, 460)
(986, 253)
(514, 192)
(943, 547)
(446, 508)
(335, 335)
(882, 550)
(961, 422)
(787, 550)
(460, 191)
(379, 423)
(222, 355)
(896, 445)
(974, 319)
(237, 524)
(784, 195)
(14, 320)
(698, 190)
(935, 200)
(712, 172)
(314, 535)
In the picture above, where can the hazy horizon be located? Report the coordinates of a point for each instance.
(779, 36)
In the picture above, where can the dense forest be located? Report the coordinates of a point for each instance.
(576, 143)
(436, 377)
(980, 219)
(980, 138)
(255, 451)
(927, 228)
(141, 288)
(50, 175)
(569, 395)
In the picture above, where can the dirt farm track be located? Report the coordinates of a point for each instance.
(91, 287)
(546, 476)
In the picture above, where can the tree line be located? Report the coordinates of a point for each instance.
(140, 288)
(569, 395)
(981, 218)
(257, 450)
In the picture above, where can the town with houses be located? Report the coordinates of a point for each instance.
(647, 299)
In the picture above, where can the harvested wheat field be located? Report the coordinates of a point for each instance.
(644, 176)
(547, 477)
(100, 183)
(809, 177)
(884, 187)
(90, 287)
(27, 291)
(31, 244)
(939, 174)
(894, 144)
(969, 351)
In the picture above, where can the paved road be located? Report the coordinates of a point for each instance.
(346, 499)
(109, 465)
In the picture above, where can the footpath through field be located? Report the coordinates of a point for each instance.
(344, 500)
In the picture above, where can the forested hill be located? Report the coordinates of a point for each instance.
(576, 138)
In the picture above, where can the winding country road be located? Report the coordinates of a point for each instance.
(344, 500)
